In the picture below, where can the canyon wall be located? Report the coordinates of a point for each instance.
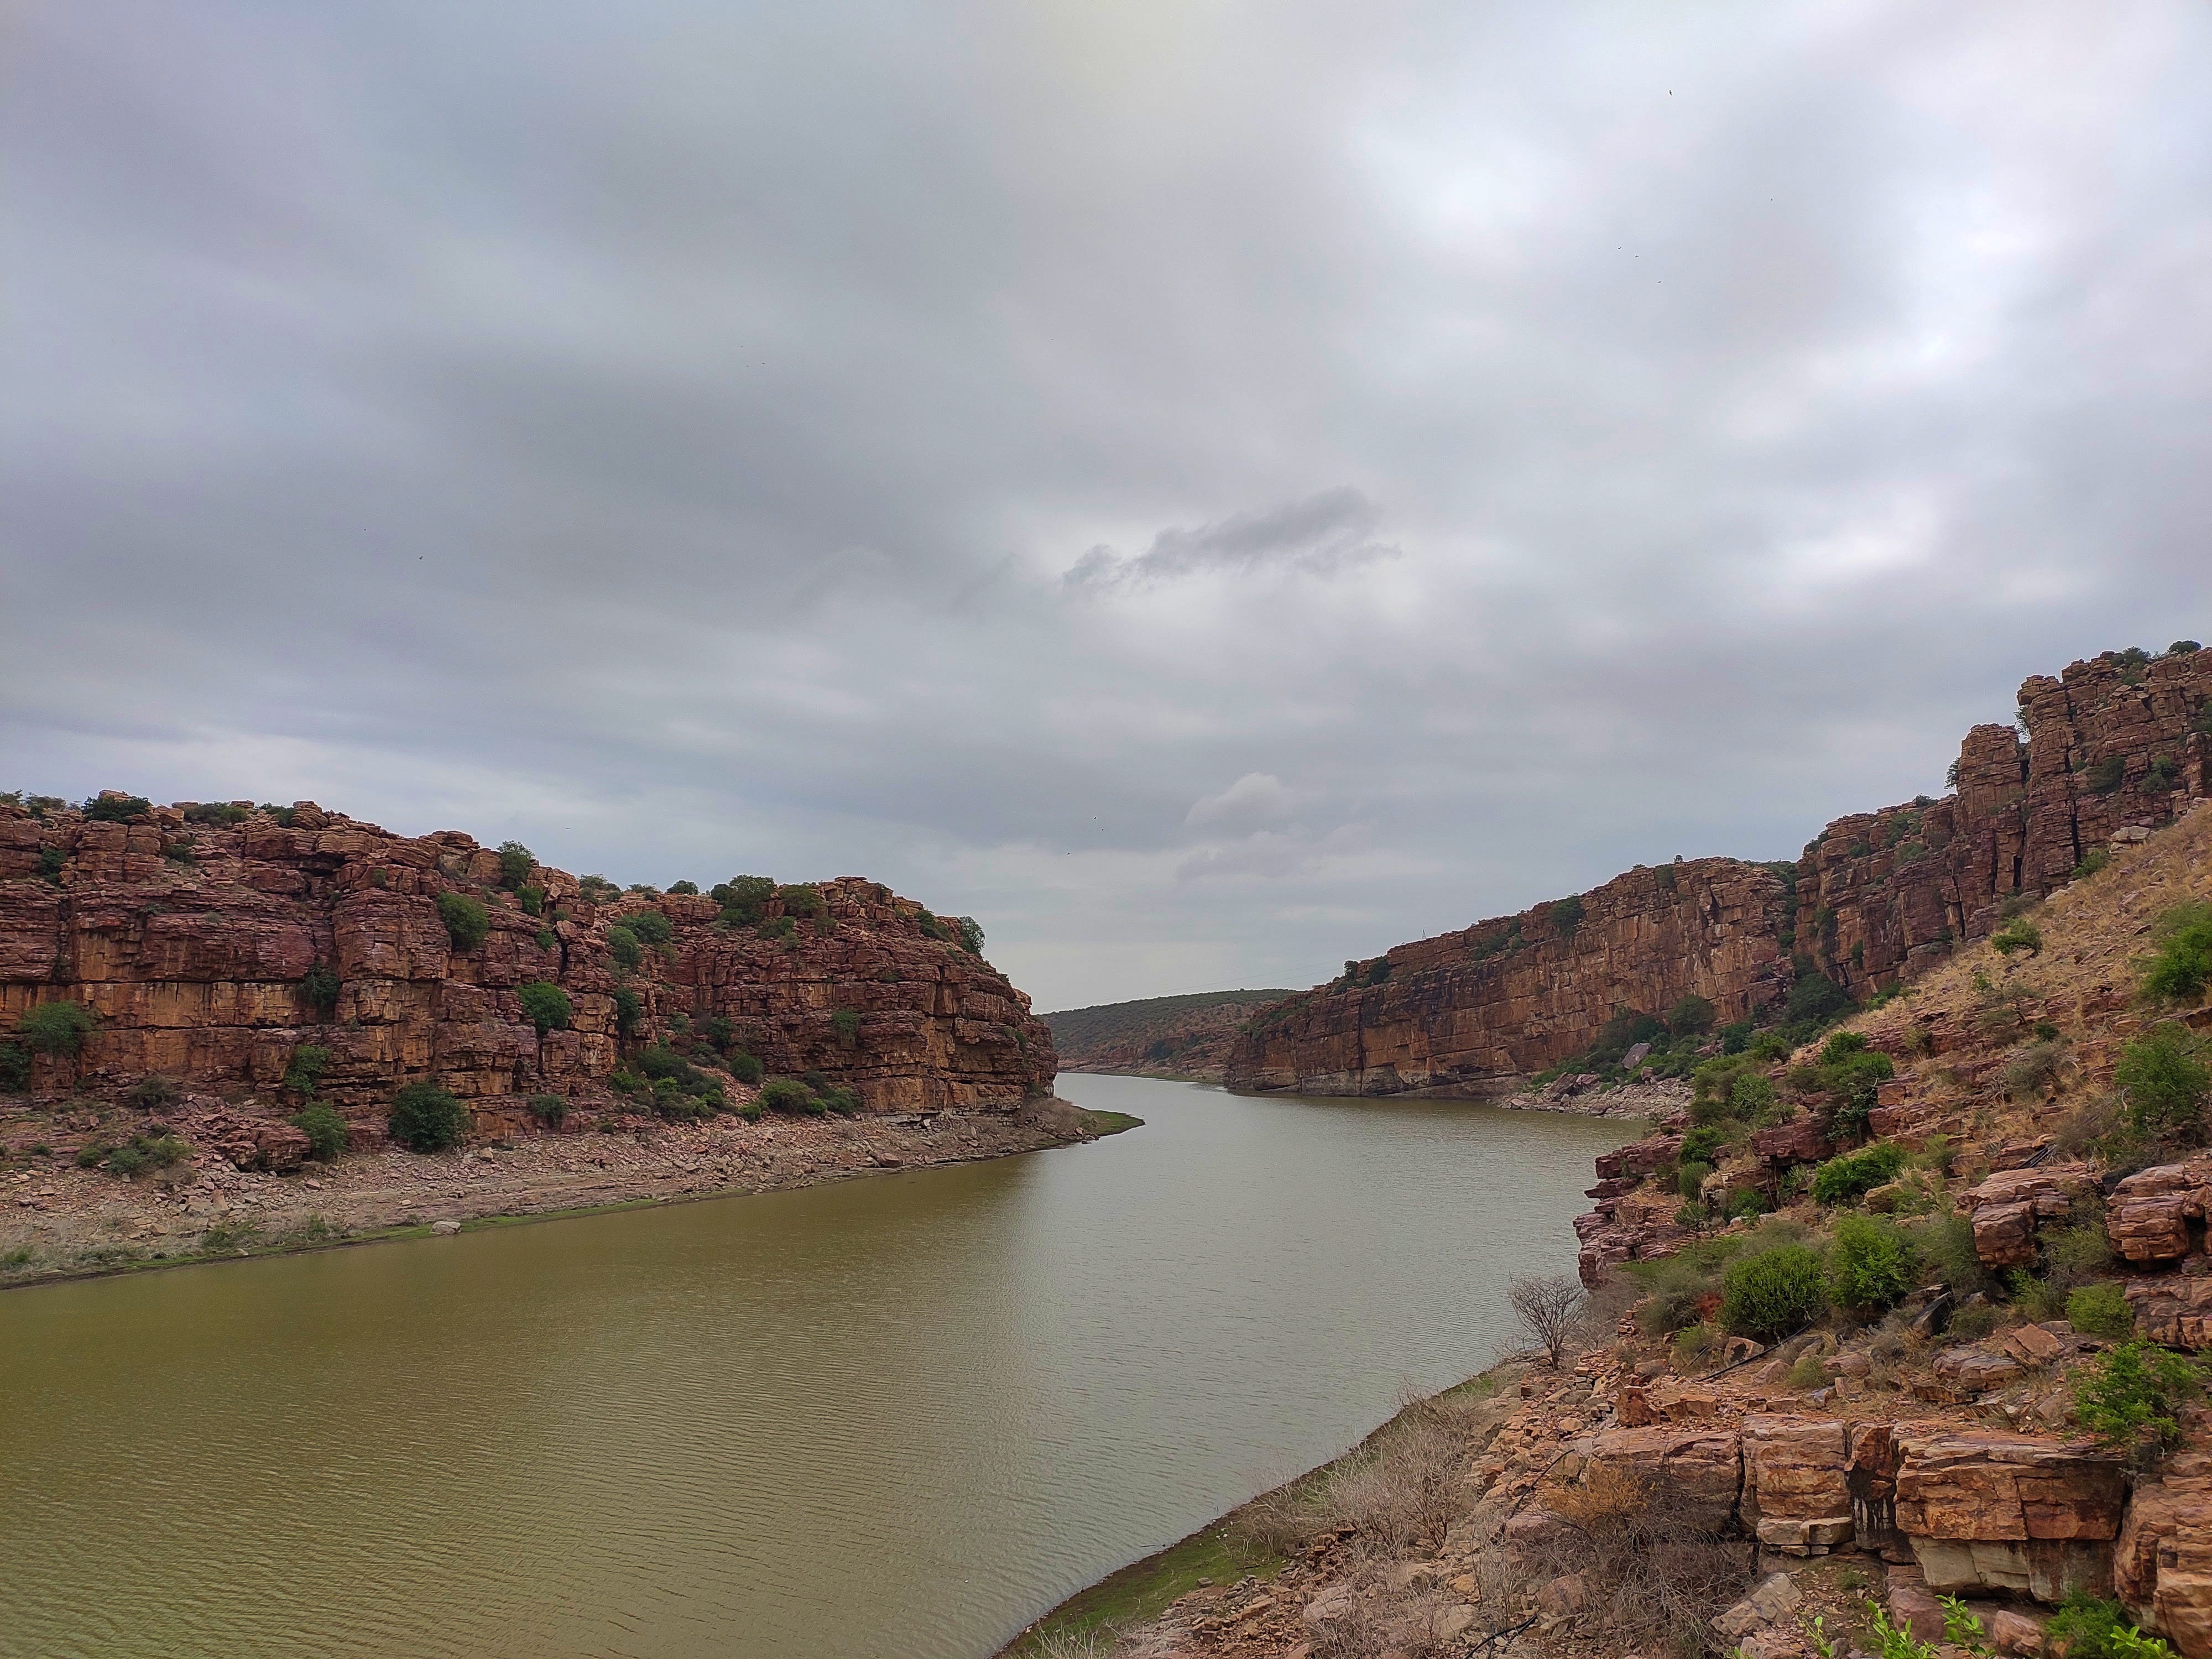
(193, 944)
(2112, 748)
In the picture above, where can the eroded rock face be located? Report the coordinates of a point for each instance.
(1878, 897)
(2158, 1215)
(193, 942)
(2162, 1563)
(1695, 1472)
(2012, 1512)
(2008, 1207)
(1795, 1490)
(2176, 1310)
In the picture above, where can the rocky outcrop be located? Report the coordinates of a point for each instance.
(193, 944)
(1179, 1037)
(2009, 1511)
(2158, 1215)
(2113, 748)
(1474, 1011)
(2162, 1563)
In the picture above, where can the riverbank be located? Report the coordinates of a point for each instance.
(58, 1222)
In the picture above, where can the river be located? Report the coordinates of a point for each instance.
(898, 1416)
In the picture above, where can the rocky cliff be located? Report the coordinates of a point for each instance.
(2112, 748)
(1179, 1037)
(212, 951)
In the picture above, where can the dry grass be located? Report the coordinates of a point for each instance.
(1647, 1579)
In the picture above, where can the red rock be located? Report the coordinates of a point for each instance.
(1795, 1490)
(2175, 1311)
(2004, 1512)
(1694, 1472)
(2162, 1563)
(2150, 1213)
(2015, 1633)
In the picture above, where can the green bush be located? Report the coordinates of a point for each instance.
(1567, 915)
(2181, 967)
(547, 940)
(1768, 1297)
(1692, 1179)
(116, 809)
(14, 1068)
(305, 1068)
(2019, 934)
(320, 989)
(2101, 1309)
(596, 890)
(689, 889)
(971, 935)
(326, 1131)
(1840, 1180)
(551, 1110)
(623, 946)
(742, 898)
(219, 812)
(466, 919)
(546, 1007)
(2087, 1627)
(847, 1024)
(515, 864)
(2133, 1394)
(154, 1093)
(1870, 1265)
(1747, 1202)
(426, 1119)
(143, 1153)
(531, 899)
(56, 1029)
(651, 927)
(1691, 1017)
(744, 1067)
(50, 859)
(629, 1009)
(1752, 1097)
(2161, 1073)
(785, 1094)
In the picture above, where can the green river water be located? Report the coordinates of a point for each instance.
(898, 1416)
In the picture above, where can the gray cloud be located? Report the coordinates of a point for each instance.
(665, 434)
(1319, 536)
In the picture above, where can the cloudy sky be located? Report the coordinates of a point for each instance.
(1210, 489)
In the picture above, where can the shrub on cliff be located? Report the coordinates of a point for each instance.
(971, 935)
(1841, 1179)
(14, 1068)
(531, 899)
(1870, 1265)
(551, 1110)
(2181, 967)
(2101, 1309)
(306, 1069)
(2132, 1396)
(2162, 1075)
(1691, 1017)
(428, 1119)
(651, 927)
(55, 1030)
(515, 863)
(466, 919)
(546, 1007)
(1768, 1297)
(788, 1095)
(741, 898)
(744, 1067)
(1815, 1000)
(320, 989)
(628, 1010)
(1567, 915)
(802, 899)
(2018, 934)
(847, 1024)
(324, 1129)
(622, 946)
(115, 809)
(689, 889)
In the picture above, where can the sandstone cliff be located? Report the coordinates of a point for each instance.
(193, 943)
(2112, 748)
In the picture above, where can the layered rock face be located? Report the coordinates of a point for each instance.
(1473, 1011)
(2113, 749)
(191, 942)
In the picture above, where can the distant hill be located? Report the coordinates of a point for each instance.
(1161, 1036)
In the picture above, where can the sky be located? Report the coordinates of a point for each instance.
(1210, 489)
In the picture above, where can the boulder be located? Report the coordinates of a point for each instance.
(2175, 1311)
(2008, 1207)
(2009, 1512)
(1770, 1600)
(2015, 1633)
(1913, 1606)
(2162, 1562)
(2159, 1214)
(1795, 1494)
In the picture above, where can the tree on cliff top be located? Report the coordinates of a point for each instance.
(516, 861)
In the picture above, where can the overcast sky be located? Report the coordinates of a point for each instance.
(1211, 490)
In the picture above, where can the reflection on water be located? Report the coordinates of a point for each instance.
(898, 1416)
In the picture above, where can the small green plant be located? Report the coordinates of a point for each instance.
(2162, 1075)
(1567, 915)
(1746, 1203)
(546, 940)
(1693, 1346)
(324, 1129)
(2133, 1394)
(1768, 1297)
(428, 1119)
(92, 1154)
(2181, 966)
(531, 899)
(742, 898)
(55, 1030)
(466, 919)
(688, 888)
(2094, 859)
(546, 1007)
(596, 890)
(50, 859)
(144, 1152)
(847, 1024)
(2086, 1626)
(2018, 934)
(2101, 1310)
(320, 989)
(650, 926)
(154, 1094)
(1870, 1265)
(515, 864)
(629, 1009)
(744, 1067)
(1841, 1179)
(551, 1110)
(785, 1094)
(180, 852)
(1692, 1180)
(1807, 1373)
(1962, 1627)
(971, 934)
(2105, 776)
(1893, 1642)
(306, 1069)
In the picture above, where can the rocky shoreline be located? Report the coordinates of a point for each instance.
(60, 1222)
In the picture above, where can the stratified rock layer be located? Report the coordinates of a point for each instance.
(2113, 749)
(190, 943)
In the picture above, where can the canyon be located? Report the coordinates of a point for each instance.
(2102, 755)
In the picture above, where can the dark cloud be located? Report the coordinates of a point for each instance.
(1210, 491)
